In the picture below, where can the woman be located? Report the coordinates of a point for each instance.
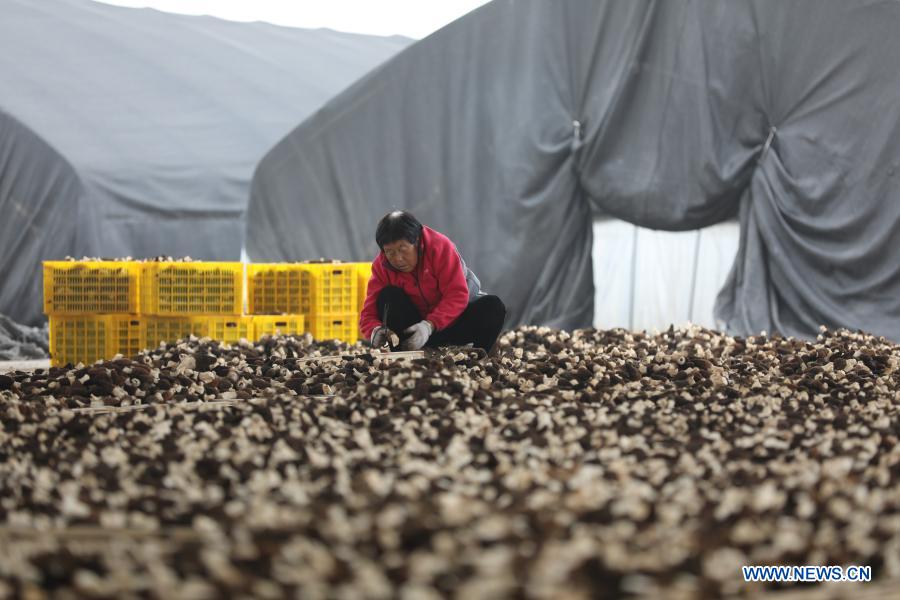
(421, 290)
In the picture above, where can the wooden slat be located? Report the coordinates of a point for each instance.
(203, 404)
(376, 355)
(95, 532)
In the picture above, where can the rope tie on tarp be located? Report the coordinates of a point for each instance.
(577, 139)
(772, 131)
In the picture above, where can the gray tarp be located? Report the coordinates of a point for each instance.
(512, 127)
(135, 132)
(18, 342)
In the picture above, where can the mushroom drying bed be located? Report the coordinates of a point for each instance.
(592, 464)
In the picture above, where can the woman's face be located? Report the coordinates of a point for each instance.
(402, 255)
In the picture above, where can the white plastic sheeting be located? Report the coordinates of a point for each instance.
(648, 279)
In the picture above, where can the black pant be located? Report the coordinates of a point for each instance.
(479, 324)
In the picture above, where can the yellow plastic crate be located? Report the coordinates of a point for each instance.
(344, 327)
(170, 329)
(230, 329)
(278, 325)
(301, 288)
(363, 274)
(333, 289)
(125, 335)
(89, 338)
(75, 339)
(277, 288)
(91, 287)
(192, 288)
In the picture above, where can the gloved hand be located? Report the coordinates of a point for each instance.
(379, 336)
(419, 334)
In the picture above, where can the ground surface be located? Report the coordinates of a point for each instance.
(24, 365)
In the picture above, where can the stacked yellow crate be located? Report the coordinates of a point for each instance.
(205, 299)
(98, 309)
(177, 289)
(93, 307)
(277, 289)
(333, 306)
(278, 325)
(325, 293)
(363, 274)
(158, 329)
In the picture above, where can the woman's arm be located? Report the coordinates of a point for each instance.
(368, 316)
(447, 267)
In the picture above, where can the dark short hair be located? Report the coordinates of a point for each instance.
(398, 225)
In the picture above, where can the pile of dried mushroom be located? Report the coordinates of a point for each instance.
(585, 464)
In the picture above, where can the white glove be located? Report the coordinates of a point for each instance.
(419, 334)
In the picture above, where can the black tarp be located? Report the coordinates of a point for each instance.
(132, 132)
(511, 128)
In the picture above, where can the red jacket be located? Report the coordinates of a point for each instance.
(437, 286)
